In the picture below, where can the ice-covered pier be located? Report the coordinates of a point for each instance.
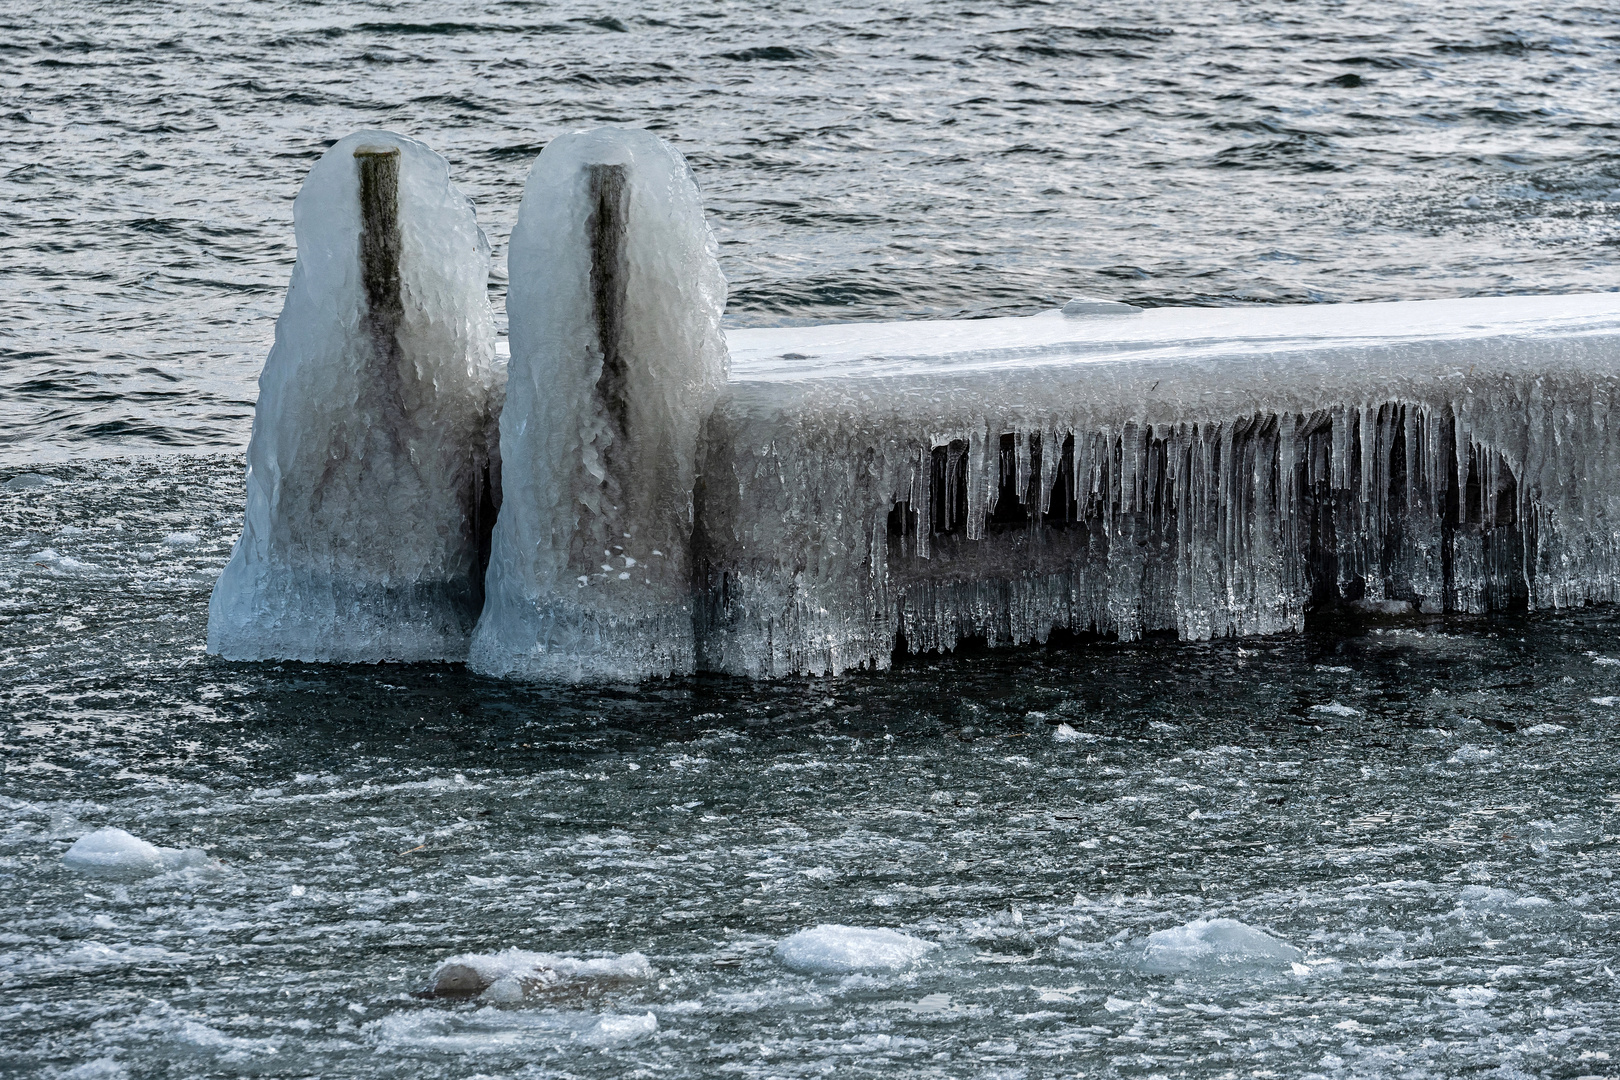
(1207, 471)
(668, 499)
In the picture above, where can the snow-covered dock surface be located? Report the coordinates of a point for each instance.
(1209, 471)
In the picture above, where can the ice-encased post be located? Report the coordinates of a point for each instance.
(617, 357)
(372, 470)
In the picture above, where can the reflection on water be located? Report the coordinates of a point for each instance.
(1426, 813)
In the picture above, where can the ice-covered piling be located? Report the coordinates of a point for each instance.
(617, 356)
(372, 470)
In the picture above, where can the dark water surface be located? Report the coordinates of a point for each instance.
(1428, 812)
(913, 159)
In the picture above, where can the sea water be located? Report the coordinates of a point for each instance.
(1372, 849)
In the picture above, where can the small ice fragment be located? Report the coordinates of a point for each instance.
(1065, 733)
(1605, 661)
(1472, 202)
(1545, 729)
(114, 851)
(180, 540)
(1119, 1005)
(27, 480)
(1337, 669)
(516, 975)
(830, 949)
(1468, 754)
(1213, 943)
(1607, 702)
(1095, 305)
(1335, 709)
(614, 1030)
(1471, 995)
(1160, 725)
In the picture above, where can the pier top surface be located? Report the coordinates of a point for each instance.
(1408, 330)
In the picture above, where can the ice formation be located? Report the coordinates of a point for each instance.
(116, 852)
(830, 949)
(1214, 943)
(1204, 471)
(516, 975)
(372, 472)
(617, 355)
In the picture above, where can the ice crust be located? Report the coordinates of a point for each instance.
(617, 356)
(516, 975)
(1206, 944)
(372, 471)
(1211, 472)
(831, 949)
(116, 852)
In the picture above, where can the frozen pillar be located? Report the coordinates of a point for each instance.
(614, 302)
(372, 471)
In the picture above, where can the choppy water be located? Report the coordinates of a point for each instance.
(887, 160)
(1428, 812)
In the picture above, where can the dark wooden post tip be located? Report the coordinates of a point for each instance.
(378, 167)
(607, 231)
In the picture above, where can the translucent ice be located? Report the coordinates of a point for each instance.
(617, 356)
(1210, 472)
(372, 478)
(517, 975)
(116, 852)
(840, 950)
(1214, 943)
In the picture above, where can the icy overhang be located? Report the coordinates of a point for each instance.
(1209, 471)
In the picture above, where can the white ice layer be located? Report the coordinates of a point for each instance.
(830, 949)
(371, 473)
(1214, 943)
(115, 851)
(1197, 470)
(517, 975)
(617, 356)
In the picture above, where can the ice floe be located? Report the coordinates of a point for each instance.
(1206, 944)
(493, 1031)
(516, 975)
(830, 949)
(114, 851)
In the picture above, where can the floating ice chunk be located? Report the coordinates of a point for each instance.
(1472, 202)
(180, 540)
(1471, 996)
(102, 1068)
(24, 481)
(1082, 306)
(1469, 754)
(1335, 709)
(61, 565)
(1607, 701)
(114, 851)
(617, 356)
(1485, 898)
(1545, 729)
(1065, 733)
(372, 478)
(831, 949)
(1205, 944)
(493, 1031)
(618, 1029)
(516, 975)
